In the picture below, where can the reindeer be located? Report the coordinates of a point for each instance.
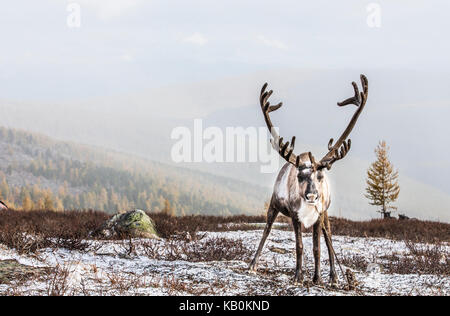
(302, 191)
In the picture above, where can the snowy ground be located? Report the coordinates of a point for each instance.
(111, 268)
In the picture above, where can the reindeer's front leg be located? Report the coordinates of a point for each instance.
(316, 250)
(298, 278)
(272, 214)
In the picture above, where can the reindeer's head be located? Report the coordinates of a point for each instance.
(311, 173)
(309, 180)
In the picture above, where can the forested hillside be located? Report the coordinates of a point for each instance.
(37, 172)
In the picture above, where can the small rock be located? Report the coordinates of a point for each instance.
(374, 268)
(278, 250)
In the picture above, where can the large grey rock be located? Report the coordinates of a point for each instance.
(135, 224)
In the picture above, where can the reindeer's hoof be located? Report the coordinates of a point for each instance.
(252, 272)
(298, 283)
(334, 282)
(298, 280)
(251, 269)
(317, 280)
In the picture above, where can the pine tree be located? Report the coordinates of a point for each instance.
(59, 205)
(40, 204)
(48, 201)
(27, 204)
(382, 184)
(168, 209)
(4, 189)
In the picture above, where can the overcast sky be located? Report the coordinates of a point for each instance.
(125, 46)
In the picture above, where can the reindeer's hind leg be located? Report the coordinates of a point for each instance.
(326, 226)
(272, 214)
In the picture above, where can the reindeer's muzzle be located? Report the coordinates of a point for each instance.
(312, 198)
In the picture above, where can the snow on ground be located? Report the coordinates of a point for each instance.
(109, 268)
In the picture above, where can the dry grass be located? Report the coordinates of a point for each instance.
(413, 230)
(354, 261)
(169, 226)
(57, 282)
(28, 232)
(422, 259)
(212, 249)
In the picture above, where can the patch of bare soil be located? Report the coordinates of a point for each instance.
(12, 270)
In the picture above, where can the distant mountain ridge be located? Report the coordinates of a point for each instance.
(72, 176)
(411, 118)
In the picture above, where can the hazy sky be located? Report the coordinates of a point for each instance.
(126, 46)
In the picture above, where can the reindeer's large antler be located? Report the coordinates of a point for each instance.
(335, 152)
(340, 149)
(286, 150)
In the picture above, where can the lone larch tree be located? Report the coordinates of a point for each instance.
(382, 182)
